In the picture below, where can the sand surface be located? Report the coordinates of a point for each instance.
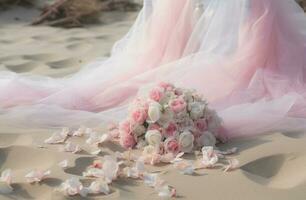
(272, 166)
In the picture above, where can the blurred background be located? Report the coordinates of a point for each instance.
(58, 37)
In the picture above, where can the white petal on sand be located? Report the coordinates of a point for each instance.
(96, 152)
(151, 179)
(36, 176)
(94, 172)
(185, 167)
(94, 138)
(73, 148)
(178, 157)
(232, 165)
(110, 168)
(98, 187)
(58, 137)
(210, 158)
(63, 164)
(72, 187)
(5, 182)
(166, 191)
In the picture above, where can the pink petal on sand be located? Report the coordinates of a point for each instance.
(36, 176)
(232, 165)
(63, 164)
(58, 137)
(73, 148)
(5, 182)
(98, 187)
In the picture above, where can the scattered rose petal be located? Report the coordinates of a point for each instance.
(135, 172)
(151, 179)
(98, 187)
(37, 176)
(178, 157)
(185, 167)
(232, 165)
(5, 182)
(166, 191)
(93, 139)
(104, 138)
(97, 164)
(110, 168)
(94, 172)
(63, 164)
(81, 131)
(58, 137)
(167, 158)
(73, 148)
(73, 187)
(96, 139)
(96, 152)
(210, 158)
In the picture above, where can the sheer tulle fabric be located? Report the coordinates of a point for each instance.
(246, 56)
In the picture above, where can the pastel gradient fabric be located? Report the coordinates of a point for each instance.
(247, 57)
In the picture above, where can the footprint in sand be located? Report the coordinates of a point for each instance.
(102, 37)
(79, 47)
(24, 66)
(283, 171)
(65, 63)
(295, 135)
(44, 57)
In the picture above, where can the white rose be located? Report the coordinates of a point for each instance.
(154, 112)
(188, 95)
(186, 141)
(149, 150)
(166, 97)
(141, 144)
(196, 110)
(207, 139)
(139, 130)
(166, 117)
(153, 137)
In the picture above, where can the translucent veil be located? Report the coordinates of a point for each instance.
(247, 57)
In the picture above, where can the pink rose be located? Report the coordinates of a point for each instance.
(171, 145)
(127, 140)
(139, 116)
(201, 124)
(196, 134)
(171, 129)
(125, 126)
(177, 105)
(154, 127)
(166, 86)
(155, 94)
(178, 92)
(146, 107)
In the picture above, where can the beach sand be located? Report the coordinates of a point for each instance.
(271, 166)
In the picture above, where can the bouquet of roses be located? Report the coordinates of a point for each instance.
(172, 119)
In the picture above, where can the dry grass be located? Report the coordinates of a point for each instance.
(71, 13)
(6, 3)
(302, 4)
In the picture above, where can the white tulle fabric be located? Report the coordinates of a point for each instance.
(246, 56)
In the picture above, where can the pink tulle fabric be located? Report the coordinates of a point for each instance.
(247, 57)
